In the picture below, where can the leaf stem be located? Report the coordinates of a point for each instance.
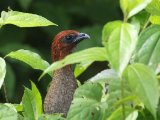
(125, 19)
(146, 24)
(122, 96)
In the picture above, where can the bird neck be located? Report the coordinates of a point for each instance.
(61, 91)
(59, 51)
(64, 72)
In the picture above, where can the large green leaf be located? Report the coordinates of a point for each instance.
(105, 76)
(87, 103)
(133, 115)
(115, 99)
(148, 47)
(38, 98)
(107, 31)
(88, 55)
(141, 19)
(117, 114)
(113, 90)
(29, 105)
(132, 7)
(154, 19)
(23, 19)
(32, 103)
(154, 7)
(144, 84)
(121, 41)
(7, 113)
(2, 71)
(30, 58)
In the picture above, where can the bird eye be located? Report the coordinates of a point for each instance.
(69, 37)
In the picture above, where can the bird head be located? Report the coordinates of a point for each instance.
(65, 41)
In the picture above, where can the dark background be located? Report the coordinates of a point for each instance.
(87, 16)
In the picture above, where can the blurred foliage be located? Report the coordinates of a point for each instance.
(84, 15)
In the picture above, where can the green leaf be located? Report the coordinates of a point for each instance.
(10, 105)
(143, 83)
(91, 55)
(23, 19)
(121, 42)
(148, 47)
(141, 18)
(81, 67)
(155, 19)
(37, 97)
(107, 31)
(154, 7)
(117, 114)
(105, 76)
(133, 115)
(32, 103)
(7, 113)
(113, 89)
(20, 117)
(29, 105)
(135, 22)
(115, 99)
(87, 103)
(30, 58)
(2, 71)
(51, 117)
(132, 7)
(18, 107)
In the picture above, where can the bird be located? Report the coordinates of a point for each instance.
(63, 85)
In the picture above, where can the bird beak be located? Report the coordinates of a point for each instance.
(81, 36)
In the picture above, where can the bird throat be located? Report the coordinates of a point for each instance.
(60, 51)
